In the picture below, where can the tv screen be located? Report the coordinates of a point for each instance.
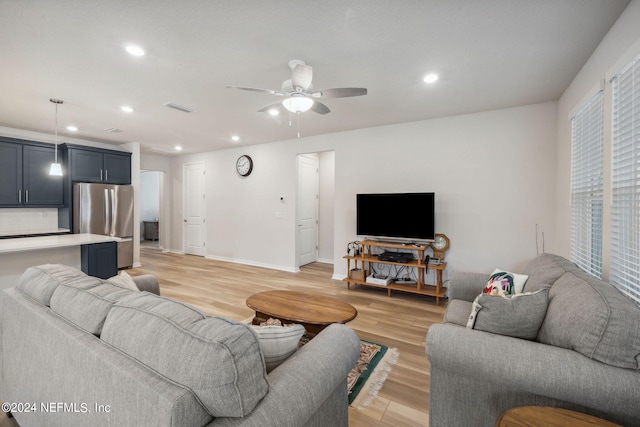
(406, 216)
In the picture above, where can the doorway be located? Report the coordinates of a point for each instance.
(315, 207)
(151, 216)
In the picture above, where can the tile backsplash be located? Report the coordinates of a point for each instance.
(25, 219)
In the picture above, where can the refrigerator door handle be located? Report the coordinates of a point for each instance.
(107, 213)
(114, 209)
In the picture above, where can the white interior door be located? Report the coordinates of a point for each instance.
(194, 209)
(308, 182)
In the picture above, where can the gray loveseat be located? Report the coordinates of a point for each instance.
(77, 351)
(585, 357)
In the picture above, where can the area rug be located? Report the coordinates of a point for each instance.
(369, 374)
(371, 371)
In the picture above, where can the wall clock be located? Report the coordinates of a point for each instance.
(439, 245)
(244, 165)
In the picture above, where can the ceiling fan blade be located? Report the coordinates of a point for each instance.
(340, 92)
(301, 76)
(319, 108)
(256, 89)
(275, 106)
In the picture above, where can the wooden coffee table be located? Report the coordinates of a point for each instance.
(547, 416)
(315, 312)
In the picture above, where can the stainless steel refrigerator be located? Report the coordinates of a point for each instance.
(108, 210)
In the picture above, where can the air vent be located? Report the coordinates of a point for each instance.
(114, 130)
(179, 107)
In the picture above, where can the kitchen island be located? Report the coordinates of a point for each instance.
(75, 250)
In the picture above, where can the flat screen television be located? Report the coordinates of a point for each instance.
(398, 216)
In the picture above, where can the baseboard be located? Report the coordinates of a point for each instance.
(253, 263)
(325, 260)
(338, 277)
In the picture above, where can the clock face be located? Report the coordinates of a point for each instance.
(244, 165)
(439, 242)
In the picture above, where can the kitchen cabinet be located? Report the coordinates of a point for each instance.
(24, 175)
(88, 164)
(99, 259)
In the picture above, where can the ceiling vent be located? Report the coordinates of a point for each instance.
(179, 107)
(114, 130)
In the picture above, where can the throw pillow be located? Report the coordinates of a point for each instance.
(519, 315)
(123, 279)
(277, 343)
(503, 282)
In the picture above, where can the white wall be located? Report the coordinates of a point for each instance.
(619, 46)
(493, 174)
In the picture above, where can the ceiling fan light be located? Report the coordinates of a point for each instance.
(297, 104)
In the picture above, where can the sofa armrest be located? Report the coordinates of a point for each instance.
(528, 367)
(147, 282)
(466, 286)
(299, 387)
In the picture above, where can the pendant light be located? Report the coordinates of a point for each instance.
(56, 169)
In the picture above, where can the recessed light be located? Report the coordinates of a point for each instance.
(72, 128)
(274, 112)
(235, 138)
(178, 147)
(126, 109)
(430, 78)
(134, 50)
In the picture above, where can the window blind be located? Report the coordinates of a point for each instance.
(587, 129)
(625, 175)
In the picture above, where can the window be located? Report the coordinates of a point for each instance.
(625, 175)
(587, 186)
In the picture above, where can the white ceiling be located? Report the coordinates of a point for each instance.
(490, 54)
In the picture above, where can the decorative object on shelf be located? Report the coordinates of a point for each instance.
(56, 169)
(244, 165)
(439, 245)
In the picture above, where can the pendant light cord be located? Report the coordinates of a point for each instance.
(56, 149)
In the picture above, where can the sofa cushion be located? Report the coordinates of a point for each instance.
(123, 279)
(40, 281)
(518, 316)
(593, 318)
(544, 270)
(457, 312)
(86, 302)
(218, 359)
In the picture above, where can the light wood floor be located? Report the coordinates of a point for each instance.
(221, 288)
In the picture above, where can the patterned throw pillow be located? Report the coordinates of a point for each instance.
(503, 282)
(277, 342)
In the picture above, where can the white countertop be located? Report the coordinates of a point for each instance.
(33, 231)
(52, 242)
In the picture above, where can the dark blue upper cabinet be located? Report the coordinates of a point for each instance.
(88, 164)
(24, 175)
(10, 173)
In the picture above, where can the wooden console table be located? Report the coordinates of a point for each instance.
(366, 257)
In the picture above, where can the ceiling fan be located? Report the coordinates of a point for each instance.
(299, 93)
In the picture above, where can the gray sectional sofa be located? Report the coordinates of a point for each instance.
(584, 357)
(79, 351)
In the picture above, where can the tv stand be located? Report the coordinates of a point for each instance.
(366, 257)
